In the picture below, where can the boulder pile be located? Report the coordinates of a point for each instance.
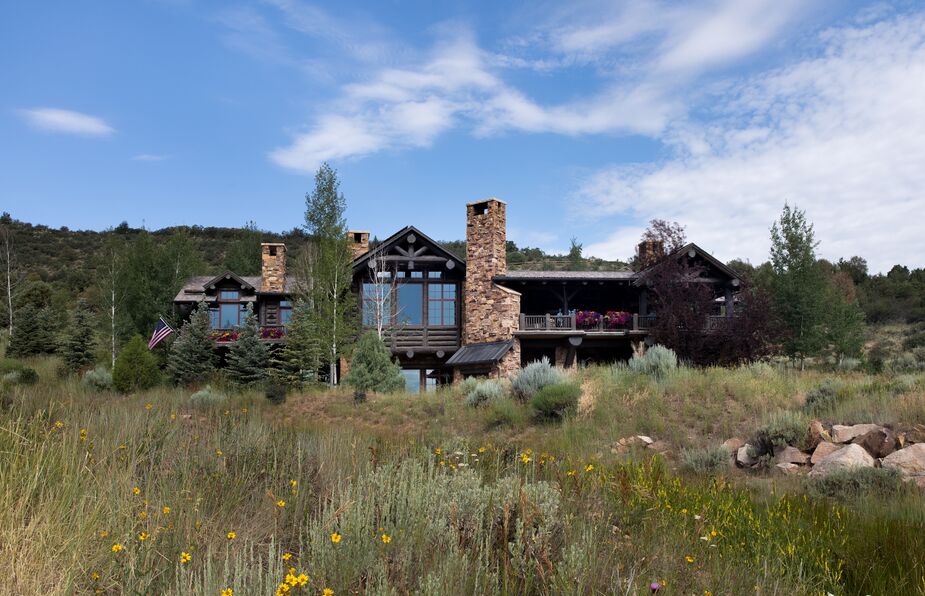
(830, 448)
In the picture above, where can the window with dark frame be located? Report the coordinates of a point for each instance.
(285, 312)
(441, 304)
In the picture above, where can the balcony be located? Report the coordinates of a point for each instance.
(266, 333)
(585, 323)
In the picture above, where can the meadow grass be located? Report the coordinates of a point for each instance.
(427, 495)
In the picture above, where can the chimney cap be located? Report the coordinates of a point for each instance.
(272, 244)
(358, 231)
(488, 200)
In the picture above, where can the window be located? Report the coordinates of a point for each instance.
(229, 315)
(229, 295)
(213, 318)
(435, 274)
(377, 302)
(285, 312)
(410, 304)
(417, 274)
(441, 304)
(430, 380)
(412, 379)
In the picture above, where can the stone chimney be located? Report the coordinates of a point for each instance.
(273, 267)
(650, 252)
(359, 242)
(491, 313)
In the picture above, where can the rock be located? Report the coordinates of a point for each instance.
(908, 460)
(817, 434)
(787, 469)
(847, 458)
(744, 456)
(879, 443)
(916, 434)
(733, 445)
(658, 446)
(644, 439)
(823, 449)
(844, 434)
(791, 455)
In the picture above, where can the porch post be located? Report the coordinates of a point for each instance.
(644, 302)
(729, 302)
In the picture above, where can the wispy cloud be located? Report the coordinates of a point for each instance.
(66, 121)
(837, 133)
(149, 157)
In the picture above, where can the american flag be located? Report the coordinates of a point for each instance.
(161, 330)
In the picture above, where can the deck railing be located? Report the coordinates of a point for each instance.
(558, 323)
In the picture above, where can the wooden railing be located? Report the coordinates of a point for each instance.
(558, 323)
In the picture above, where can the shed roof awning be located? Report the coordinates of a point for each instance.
(484, 353)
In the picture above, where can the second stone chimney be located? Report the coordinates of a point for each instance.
(491, 311)
(273, 267)
(359, 242)
(650, 252)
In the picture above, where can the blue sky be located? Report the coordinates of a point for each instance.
(588, 118)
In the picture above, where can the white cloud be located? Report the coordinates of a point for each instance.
(149, 157)
(839, 135)
(66, 121)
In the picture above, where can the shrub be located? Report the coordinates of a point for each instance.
(207, 398)
(783, 428)
(372, 367)
(276, 393)
(534, 377)
(136, 367)
(504, 411)
(823, 397)
(484, 392)
(192, 354)
(98, 379)
(658, 361)
(13, 373)
(555, 401)
(705, 461)
(848, 364)
(77, 347)
(906, 362)
(852, 483)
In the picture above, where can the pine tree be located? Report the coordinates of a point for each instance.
(79, 342)
(372, 367)
(31, 334)
(248, 358)
(136, 367)
(192, 355)
(299, 359)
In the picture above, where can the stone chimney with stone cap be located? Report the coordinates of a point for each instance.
(650, 252)
(273, 267)
(359, 242)
(491, 312)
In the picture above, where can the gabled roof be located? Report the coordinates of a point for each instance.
(690, 246)
(483, 353)
(228, 275)
(194, 290)
(401, 234)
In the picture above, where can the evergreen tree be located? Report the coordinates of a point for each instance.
(844, 327)
(31, 334)
(192, 355)
(575, 260)
(333, 304)
(299, 359)
(372, 367)
(800, 288)
(248, 358)
(136, 367)
(243, 257)
(79, 342)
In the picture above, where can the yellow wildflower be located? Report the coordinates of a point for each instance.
(570, 473)
(185, 558)
(302, 579)
(335, 537)
(293, 483)
(281, 503)
(327, 592)
(136, 491)
(174, 417)
(283, 588)
(244, 410)
(386, 539)
(227, 592)
(525, 458)
(143, 536)
(231, 535)
(291, 579)
(148, 406)
(481, 450)
(117, 548)
(123, 446)
(287, 556)
(166, 510)
(143, 515)
(589, 467)
(438, 451)
(103, 533)
(218, 452)
(94, 576)
(689, 559)
(59, 424)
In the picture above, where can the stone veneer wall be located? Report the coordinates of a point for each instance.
(273, 267)
(650, 251)
(490, 312)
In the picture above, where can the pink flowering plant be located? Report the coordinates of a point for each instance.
(587, 318)
(616, 319)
